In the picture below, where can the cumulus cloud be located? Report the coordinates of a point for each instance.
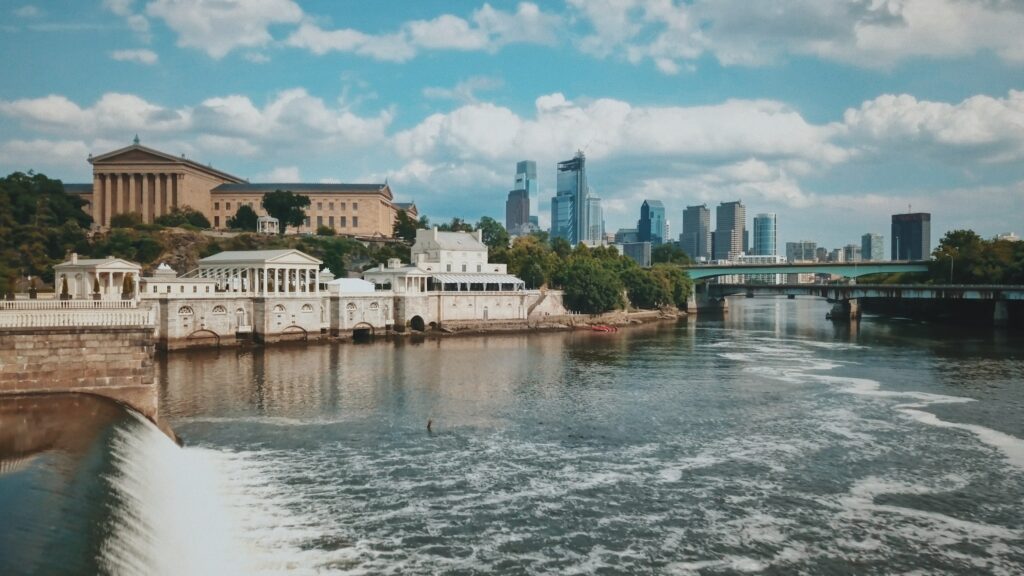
(126, 10)
(219, 27)
(868, 33)
(281, 174)
(466, 90)
(979, 128)
(487, 29)
(42, 154)
(147, 57)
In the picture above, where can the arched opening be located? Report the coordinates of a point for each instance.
(293, 332)
(362, 332)
(203, 338)
(417, 324)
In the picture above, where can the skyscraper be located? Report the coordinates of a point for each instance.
(872, 247)
(595, 222)
(802, 251)
(651, 226)
(526, 177)
(696, 237)
(517, 212)
(912, 236)
(569, 207)
(730, 228)
(765, 235)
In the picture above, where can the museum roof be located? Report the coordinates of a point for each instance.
(301, 188)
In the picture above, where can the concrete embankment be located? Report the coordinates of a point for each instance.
(116, 362)
(560, 322)
(968, 312)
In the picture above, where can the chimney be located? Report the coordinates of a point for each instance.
(480, 236)
(74, 257)
(433, 235)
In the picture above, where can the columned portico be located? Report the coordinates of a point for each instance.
(263, 272)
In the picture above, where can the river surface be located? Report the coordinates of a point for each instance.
(768, 441)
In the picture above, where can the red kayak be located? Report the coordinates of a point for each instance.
(603, 328)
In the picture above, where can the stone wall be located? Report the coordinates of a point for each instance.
(112, 362)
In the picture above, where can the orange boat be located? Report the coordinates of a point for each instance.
(604, 328)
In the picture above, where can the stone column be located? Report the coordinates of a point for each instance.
(133, 194)
(146, 191)
(174, 192)
(105, 221)
(97, 200)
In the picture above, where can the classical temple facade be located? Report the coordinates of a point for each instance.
(141, 180)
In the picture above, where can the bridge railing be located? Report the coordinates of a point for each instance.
(77, 317)
(50, 304)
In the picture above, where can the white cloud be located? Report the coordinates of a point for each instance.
(980, 127)
(464, 91)
(126, 10)
(487, 29)
(147, 57)
(283, 174)
(40, 155)
(868, 33)
(219, 27)
(27, 11)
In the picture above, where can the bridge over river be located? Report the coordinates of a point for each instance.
(844, 269)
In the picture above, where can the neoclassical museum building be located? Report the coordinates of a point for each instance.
(151, 183)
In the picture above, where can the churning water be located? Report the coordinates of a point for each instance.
(769, 441)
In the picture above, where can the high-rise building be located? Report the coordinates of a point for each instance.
(595, 222)
(569, 207)
(802, 251)
(526, 177)
(696, 237)
(730, 228)
(851, 253)
(821, 254)
(651, 226)
(626, 236)
(872, 247)
(517, 212)
(765, 235)
(912, 236)
(639, 252)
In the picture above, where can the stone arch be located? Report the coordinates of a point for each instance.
(350, 306)
(218, 309)
(307, 308)
(240, 317)
(417, 324)
(186, 311)
(374, 306)
(203, 337)
(294, 332)
(362, 330)
(279, 309)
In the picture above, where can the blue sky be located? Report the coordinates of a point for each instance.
(831, 113)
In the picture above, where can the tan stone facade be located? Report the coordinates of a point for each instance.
(141, 180)
(349, 209)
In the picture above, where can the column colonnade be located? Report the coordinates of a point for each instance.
(149, 194)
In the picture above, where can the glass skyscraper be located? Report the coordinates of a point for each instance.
(595, 222)
(570, 211)
(517, 207)
(651, 227)
(912, 236)
(696, 237)
(765, 235)
(730, 229)
(872, 247)
(526, 177)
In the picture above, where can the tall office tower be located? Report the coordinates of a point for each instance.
(517, 212)
(696, 237)
(730, 228)
(872, 247)
(765, 235)
(526, 177)
(851, 253)
(821, 254)
(802, 251)
(569, 209)
(595, 222)
(651, 226)
(912, 236)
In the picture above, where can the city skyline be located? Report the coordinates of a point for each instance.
(670, 101)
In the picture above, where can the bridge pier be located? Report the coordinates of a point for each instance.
(700, 300)
(1001, 313)
(848, 309)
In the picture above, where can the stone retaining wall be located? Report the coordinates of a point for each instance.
(112, 362)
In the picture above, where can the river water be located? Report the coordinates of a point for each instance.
(768, 441)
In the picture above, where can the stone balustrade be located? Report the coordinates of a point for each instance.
(76, 317)
(51, 304)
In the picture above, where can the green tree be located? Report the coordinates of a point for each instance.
(405, 226)
(669, 254)
(561, 247)
(324, 231)
(244, 219)
(590, 287)
(456, 225)
(126, 220)
(493, 233)
(287, 207)
(184, 216)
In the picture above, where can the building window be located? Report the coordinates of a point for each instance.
(307, 222)
(319, 221)
(342, 205)
(154, 289)
(449, 268)
(195, 289)
(463, 267)
(220, 310)
(478, 268)
(319, 205)
(227, 205)
(355, 206)
(341, 221)
(355, 221)
(216, 221)
(185, 311)
(330, 206)
(216, 205)
(330, 221)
